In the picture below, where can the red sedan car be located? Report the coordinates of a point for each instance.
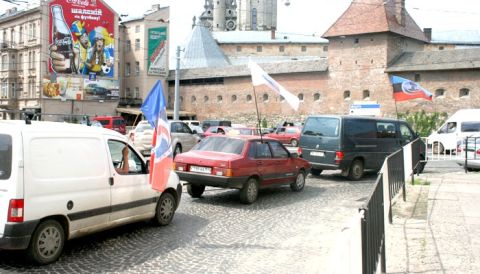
(216, 130)
(287, 135)
(248, 163)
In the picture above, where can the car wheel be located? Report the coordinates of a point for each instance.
(195, 191)
(315, 172)
(294, 142)
(249, 192)
(177, 150)
(47, 243)
(165, 209)
(356, 170)
(299, 182)
(437, 148)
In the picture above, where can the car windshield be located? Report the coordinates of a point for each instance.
(221, 144)
(5, 156)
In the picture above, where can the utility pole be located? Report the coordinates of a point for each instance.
(176, 103)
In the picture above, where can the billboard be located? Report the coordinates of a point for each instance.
(81, 38)
(75, 88)
(157, 51)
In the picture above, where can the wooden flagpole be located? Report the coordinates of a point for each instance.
(258, 114)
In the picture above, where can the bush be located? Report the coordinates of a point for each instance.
(423, 123)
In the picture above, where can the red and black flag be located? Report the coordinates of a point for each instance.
(404, 89)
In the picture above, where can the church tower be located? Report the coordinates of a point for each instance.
(226, 15)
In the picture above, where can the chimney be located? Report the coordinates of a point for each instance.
(272, 33)
(428, 33)
(155, 7)
(400, 11)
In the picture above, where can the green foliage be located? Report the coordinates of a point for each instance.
(264, 123)
(423, 122)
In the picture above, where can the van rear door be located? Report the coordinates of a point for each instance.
(320, 140)
(10, 177)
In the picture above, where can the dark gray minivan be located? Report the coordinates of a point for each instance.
(352, 144)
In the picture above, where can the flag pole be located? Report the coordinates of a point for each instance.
(396, 110)
(258, 114)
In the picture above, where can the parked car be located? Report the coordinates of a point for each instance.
(216, 130)
(472, 148)
(287, 135)
(209, 123)
(141, 137)
(245, 131)
(197, 130)
(242, 162)
(183, 138)
(191, 122)
(116, 123)
(353, 144)
(60, 181)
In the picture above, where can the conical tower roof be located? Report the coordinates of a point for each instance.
(201, 51)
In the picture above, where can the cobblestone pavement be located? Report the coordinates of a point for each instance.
(282, 232)
(437, 230)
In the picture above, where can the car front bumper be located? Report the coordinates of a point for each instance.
(212, 180)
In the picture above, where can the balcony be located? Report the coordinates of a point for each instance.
(8, 46)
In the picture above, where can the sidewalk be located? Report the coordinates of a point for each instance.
(437, 230)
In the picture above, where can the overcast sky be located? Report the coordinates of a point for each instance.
(305, 16)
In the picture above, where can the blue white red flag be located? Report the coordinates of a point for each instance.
(260, 77)
(404, 89)
(154, 109)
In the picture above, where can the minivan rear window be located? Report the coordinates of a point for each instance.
(470, 127)
(322, 126)
(5, 156)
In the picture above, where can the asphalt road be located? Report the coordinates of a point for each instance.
(282, 232)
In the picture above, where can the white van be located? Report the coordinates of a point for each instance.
(59, 181)
(463, 123)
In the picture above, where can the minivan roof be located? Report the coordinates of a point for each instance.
(357, 117)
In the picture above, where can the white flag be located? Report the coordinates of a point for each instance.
(260, 77)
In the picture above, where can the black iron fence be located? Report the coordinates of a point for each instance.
(373, 230)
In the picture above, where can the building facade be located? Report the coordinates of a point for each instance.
(370, 42)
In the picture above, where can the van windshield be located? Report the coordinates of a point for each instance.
(321, 126)
(5, 156)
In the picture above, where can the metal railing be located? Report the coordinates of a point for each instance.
(373, 230)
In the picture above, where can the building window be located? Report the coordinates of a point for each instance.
(316, 97)
(205, 98)
(282, 98)
(129, 94)
(300, 97)
(249, 98)
(464, 92)
(137, 92)
(14, 63)
(265, 97)
(304, 48)
(20, 61)
(346, 95)
(417, 77)
(440, 93)
(32, 65)
(234, 98)
(137, 28)
(281, 48)
(325, 48)
(259, 48)
(254, 19)
(366, 94)
(219, 98)
(440, 47)
(128, 45)
(12, 37)
(239, 48)
(127, 69)
(193, 99)
(356, 41)
(20, 35)
(181, 99)
(4, 62)
(137, 68)
(137, 44)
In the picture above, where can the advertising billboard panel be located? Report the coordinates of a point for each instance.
(75, 88)
(81, 38)
(157, 51)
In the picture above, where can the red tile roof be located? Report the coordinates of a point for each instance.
(373, 16)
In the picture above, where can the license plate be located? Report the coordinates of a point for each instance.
(317, 153)
(200, 169)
